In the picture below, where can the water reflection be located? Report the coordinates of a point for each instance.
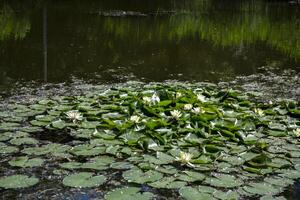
(154, 40)
(45, 42)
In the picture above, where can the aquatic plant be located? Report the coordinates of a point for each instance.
(74, 115)
(185, 158)
(208, 142)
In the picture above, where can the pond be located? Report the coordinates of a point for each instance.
(154, 99)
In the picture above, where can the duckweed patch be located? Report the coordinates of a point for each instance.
(194, 140)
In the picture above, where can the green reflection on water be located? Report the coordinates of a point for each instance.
(201, 36)
(12, 25)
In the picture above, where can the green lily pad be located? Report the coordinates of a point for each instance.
(54, 149)
(22, 141)
(191, 176)
(71, 165)
(279, 181)
(168, 183)
(190, 193)
(261, 189)
(121, 165)
(87, 150)
(17, 181)
(138, 176)
(128, 193)
(24, 161)
(4, 149)
(224, 180)
(84, 179)
(9, 126)
(59, 124)
(228, 195)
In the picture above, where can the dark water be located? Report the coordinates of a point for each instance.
(151, 40)
(110, 41)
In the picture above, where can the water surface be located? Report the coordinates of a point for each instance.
(114, 40)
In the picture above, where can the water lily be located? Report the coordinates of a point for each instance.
(147, 100)
(197, 110)
(74, 115)
(138, 128)
(185, 158)
(188, 107)
(176, 114)
(178, 95)
(188, 126)
(259, 111)
(297, 132)
(151, 100)
(212, 124)
(201, 97)
(134, 118)
(155, 98)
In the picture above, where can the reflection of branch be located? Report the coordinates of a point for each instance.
(45, 41)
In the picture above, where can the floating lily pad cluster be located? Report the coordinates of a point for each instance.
(197, 140)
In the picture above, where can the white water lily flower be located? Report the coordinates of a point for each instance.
(147, 100)
(185, 158)
(212, 124)
(297, 132)
(189, 126)
(188, 107)
(197, 110)
(74, 115)
(138, 128)
(155, 98)
(178, 95)
(176, 114)
(134, 118)
(95, 132)
(259, 111)
(201, 98)
(124, 95)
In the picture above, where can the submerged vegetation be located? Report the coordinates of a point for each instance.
(135, 141)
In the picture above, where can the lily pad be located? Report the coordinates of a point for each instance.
(191, 193)
(168, 183)
(87, 150)
(224, 180)
(191, 176)
(24, 161)
(17, 181)
(128, 193)
(261, 189)
(22, 141)
(4, 149)
(84, 179)
(138, 176)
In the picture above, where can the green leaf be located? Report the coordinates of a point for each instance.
(59, 124)
(87, 150)
(24, 161)
(17, 181)
(4, 149)
(224, 180)
(191, 176)
(22, 141)
(190, 193)
(128, 193)
(261, 189)
(138, 176)
(84, 179)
